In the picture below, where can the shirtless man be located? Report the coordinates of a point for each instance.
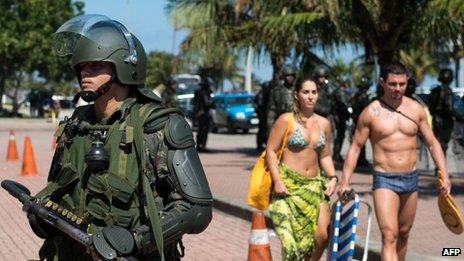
(392, 123)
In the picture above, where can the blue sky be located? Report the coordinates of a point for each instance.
(148, 20)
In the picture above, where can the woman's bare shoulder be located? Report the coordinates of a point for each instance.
(282, 120)
(322, 121)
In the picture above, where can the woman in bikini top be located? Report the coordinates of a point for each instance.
(299, 189)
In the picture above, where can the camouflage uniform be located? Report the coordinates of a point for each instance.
(341, 115)
(441, 108)
(281, 97)
(324, 104)
(202, 103)
(137, 170)
(169, 99)
(358, 102)
(262, 104)
(169, 94)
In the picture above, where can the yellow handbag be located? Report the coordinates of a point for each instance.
(449, 211)
(259, 192)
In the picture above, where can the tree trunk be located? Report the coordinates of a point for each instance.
(14, 97)
(386, 56)
(277, 63)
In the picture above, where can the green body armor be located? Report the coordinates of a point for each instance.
(129, 193)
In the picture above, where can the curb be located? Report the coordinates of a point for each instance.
(245, 212)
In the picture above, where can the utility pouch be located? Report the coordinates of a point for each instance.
(112, 186)
(111, 215)
(66, 176)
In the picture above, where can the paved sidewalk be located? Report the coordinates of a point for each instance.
(228, 166)
(226, 238)
(227, 169)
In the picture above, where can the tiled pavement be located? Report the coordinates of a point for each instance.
(227, 169)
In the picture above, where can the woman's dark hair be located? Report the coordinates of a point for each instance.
(393, 68)
(296, 105)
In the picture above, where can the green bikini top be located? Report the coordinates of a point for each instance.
(297, 140)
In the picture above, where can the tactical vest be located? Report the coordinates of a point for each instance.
(324, 101)
(283, 99)
(117, 195)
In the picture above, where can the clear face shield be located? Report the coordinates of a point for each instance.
(67, 37)
(95, 38)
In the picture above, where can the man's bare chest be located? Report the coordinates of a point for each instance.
(387, 123)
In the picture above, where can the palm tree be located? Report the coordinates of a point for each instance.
(222, 28)
(386, 27)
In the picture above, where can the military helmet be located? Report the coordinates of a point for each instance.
(321, 70)
(445, 76)
(365, 82)
(89, 38)
(288, 69)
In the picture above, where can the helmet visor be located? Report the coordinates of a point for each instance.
(69, 34)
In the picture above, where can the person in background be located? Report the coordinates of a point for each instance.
(340, 115)
(280, 97)
(441, 108)
(358, 102)
(261, 101)
(169, 94)
(203, 102)
(325, 105)
(299, 205)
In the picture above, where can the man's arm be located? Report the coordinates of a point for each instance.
(360, 137)
(434, 148)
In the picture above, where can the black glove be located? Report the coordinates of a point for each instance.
(39, 227)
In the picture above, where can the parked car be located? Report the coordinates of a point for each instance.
(234, 111)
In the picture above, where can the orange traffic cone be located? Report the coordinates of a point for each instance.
(259, 249)
(12, 152)
(29, 167)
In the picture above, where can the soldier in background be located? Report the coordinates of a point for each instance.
(203, 102)
(358, 102)
(324, 89)
(340, 115)
(281, 97)
(169, 94)
(441, 108)
(261, 101)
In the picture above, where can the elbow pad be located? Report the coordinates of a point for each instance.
(181, 218)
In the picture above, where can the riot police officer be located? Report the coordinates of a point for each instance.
(324, 100)
(169, 94)
(203, 102)
(358, 102)
(123, 161)
(281, 97)
(441, 108)
(340, 115)
(261, 101)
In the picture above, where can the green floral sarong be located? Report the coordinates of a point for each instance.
(295, 216)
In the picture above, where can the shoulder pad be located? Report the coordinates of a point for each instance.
(177, 132)
(155, 125)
